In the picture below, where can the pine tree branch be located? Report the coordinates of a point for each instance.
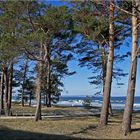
(31, 56)
(124, 10)
(104, 39)
(98, 2)
(137, 27)
(29, 18)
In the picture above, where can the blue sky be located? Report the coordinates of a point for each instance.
(78, 84)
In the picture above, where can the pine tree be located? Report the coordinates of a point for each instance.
(127, 117)
(9, 16)
(109, 70)
(38, 42)
(93, 48)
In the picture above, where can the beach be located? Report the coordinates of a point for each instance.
(74, 123)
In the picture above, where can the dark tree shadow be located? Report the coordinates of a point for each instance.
(10, 134)
(85, 130)
(135, 129)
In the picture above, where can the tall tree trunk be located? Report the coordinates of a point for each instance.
(30, 100)
(127, 117)
(5, 71)
(23, 82)
(38, 92)
(48, 100)
(38, 115)
(108, 81)
(104, 64)
(2, 93)
(10, 88)
(48, 97)
(110, 109)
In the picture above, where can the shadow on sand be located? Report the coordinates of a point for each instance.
(135, 129)
(9, 134)
(85, 130)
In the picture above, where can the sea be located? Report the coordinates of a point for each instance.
(96, 101)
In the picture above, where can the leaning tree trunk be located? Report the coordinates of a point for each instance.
(108, 80)
(5, 71)
(127, 117)
(10, 89)
(104, 64)
(2, 93)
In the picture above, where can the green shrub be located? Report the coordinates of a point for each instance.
(87, 101)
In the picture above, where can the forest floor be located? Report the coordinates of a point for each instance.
(70, 126)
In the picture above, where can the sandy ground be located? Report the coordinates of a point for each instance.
(68, 127)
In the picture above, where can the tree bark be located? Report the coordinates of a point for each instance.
(10, 89)
(38, 92)
(108, 80)
(2, 93)
(48, 100)
(38, 115)
(30, 100)
(48, 96)
(24, 79)
(5, 71)
(104, 64)
(110, 112)
(127, 117)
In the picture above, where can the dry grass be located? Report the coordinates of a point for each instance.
(18, 110)
(67, 128)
